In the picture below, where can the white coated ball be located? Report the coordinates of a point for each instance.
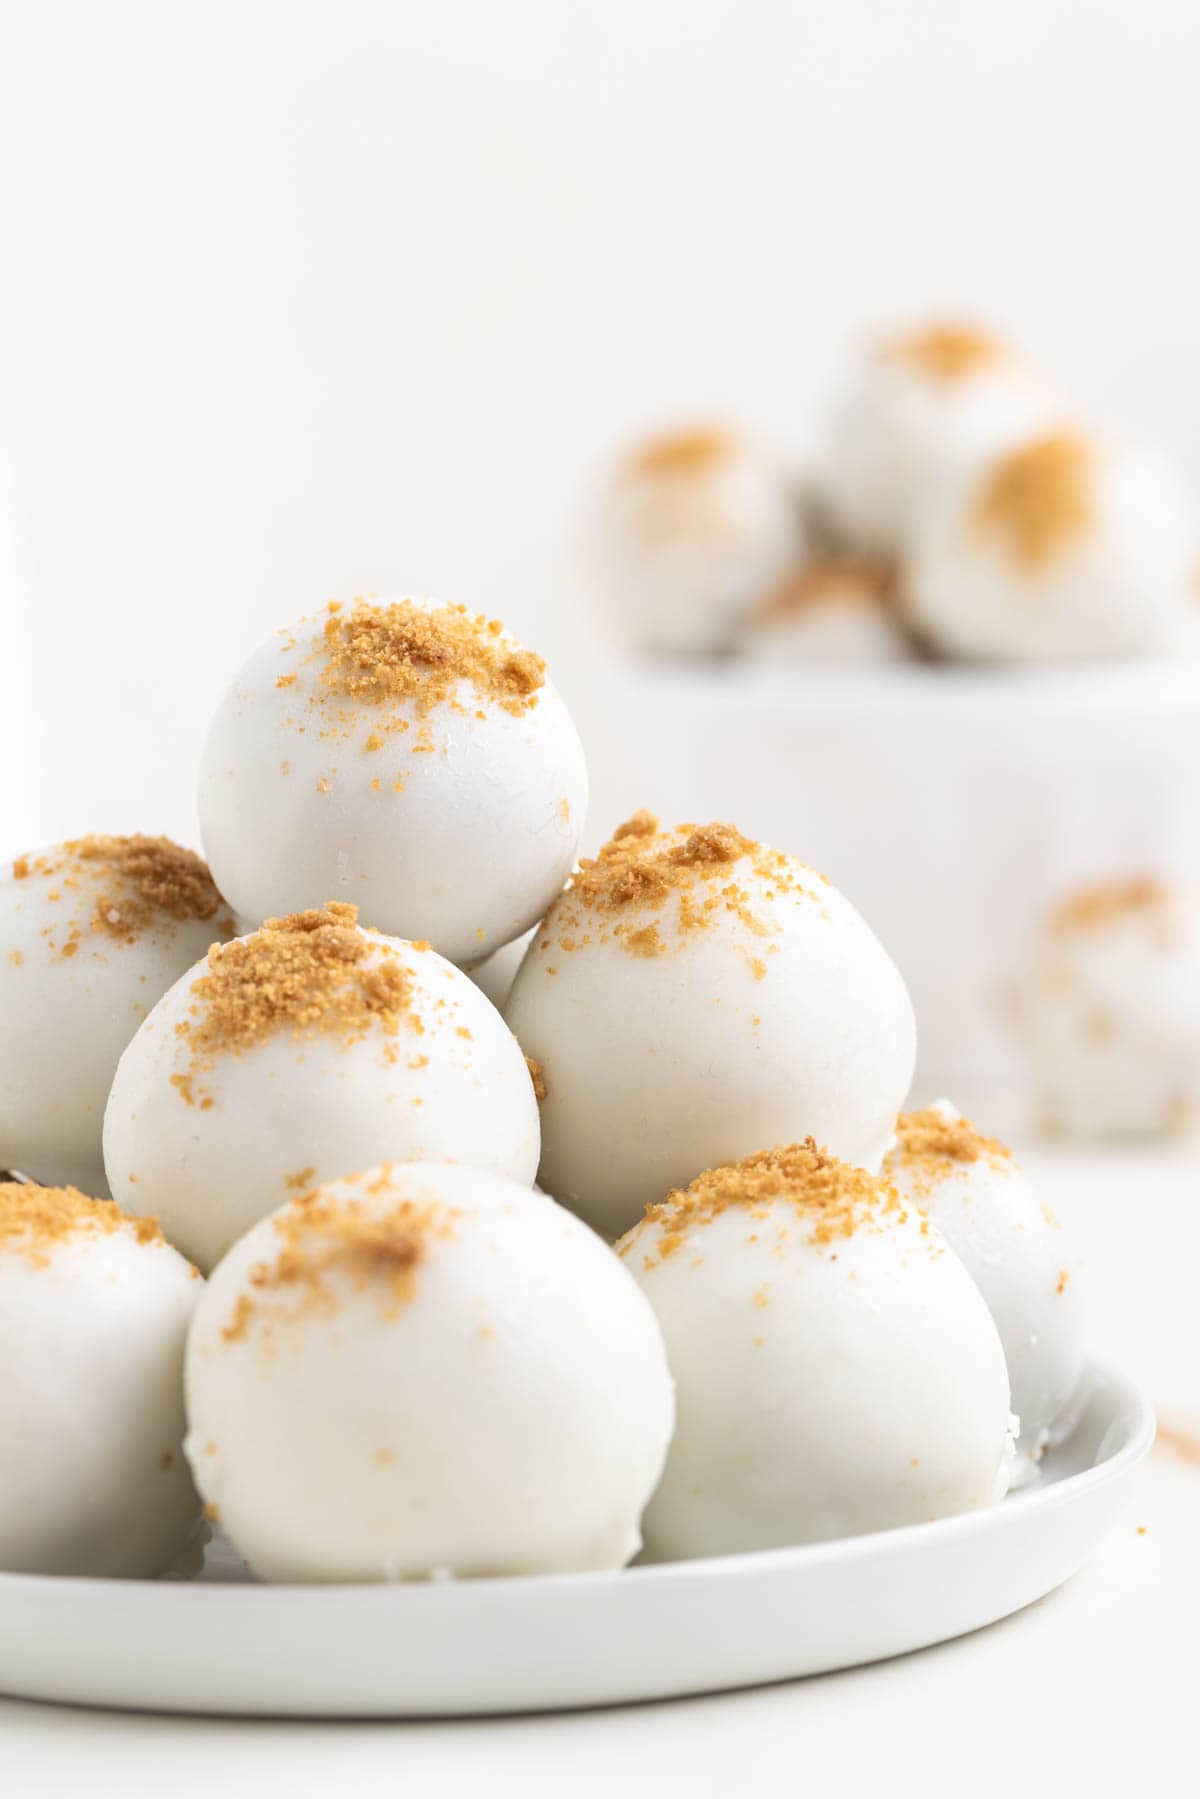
(94, 1312)
(692, 996)
(92, 933)
(835, 613)
(917, 408)
(836, 1369)
(1065, 548)
(1108, 1011)
(304, 1051)
(692, 530)
(407, 757)
(424, 1372)
(1013, 1247)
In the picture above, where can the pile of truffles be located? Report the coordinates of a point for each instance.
(957, 509)
(309, 1291)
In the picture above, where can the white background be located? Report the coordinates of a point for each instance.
(301, 300)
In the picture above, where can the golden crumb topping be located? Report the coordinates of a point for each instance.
(692, 452)
(946, 352)
(934, 1143)
(402, 658)
(118, 888)
(35, 1220)
(1038, 499)
(323, 1235)
(313, 974)
(624, 893)
(854, 581)
(537, 1074)
(1109, 902)
(830, 1197)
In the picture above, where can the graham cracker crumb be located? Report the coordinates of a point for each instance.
(122, 887)
(323, 1235)
(1039, 498)
(643, 870)
(537, 1075)
(833, 1199)
(691, 452)
(946, 352)
(35, 1220)
(402, 655)
(313, 974)
(849, 581)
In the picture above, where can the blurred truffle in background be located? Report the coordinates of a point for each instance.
(694, 527)
(955, 509)
(1108, 1011)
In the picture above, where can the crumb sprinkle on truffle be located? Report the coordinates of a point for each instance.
(832, 1198)
(36, 1220)
(1110, 901)
(537, 1075)
(1039, 498)
(311, 974)
(643, 870)
(402, 658)
(323, 1235)
(843, 581)
(946, 352)
(119, 888)
(936, 1142)
(691, 452)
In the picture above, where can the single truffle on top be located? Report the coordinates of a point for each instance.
(693, 528)
(421, 1372)
(94, 1312)
(840, 611)
(1015, 1251)
(1107, 1010)
(836, 1368)
(92, 933)
(309, 1047)
(919, 406)
(691, 995)
(1063, 548)
(405, 756)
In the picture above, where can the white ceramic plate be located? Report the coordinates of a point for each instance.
(225, 1644)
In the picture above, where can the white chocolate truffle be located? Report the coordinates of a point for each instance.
(1014, 1249)
(92, 933)
(94, 1313)
(1108, 1011)
(423, 1372)
(838, 612)
(836, 1368)
(917, 408)
(693, 529)
(407, 757)
(692, 995)
(1066, 548)
(296, 1053)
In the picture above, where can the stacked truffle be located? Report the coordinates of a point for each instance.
(1006, 529)
(407, 1360)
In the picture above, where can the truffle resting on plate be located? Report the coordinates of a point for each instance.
(424, 1372)
(94, 1313)
(1016, 1252)
(836, 1368)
